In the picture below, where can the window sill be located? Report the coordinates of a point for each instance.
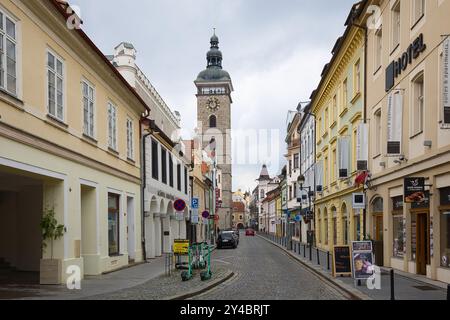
(334, 124)
(11, 99)
(395, 49)
(131, 161)
(377, 156)
(113, 152)
(56, 123)
(356, 97)
(416, 135)
(89, 140)
(377, 71)
(325, 135)
(418, 21)
(343, 112)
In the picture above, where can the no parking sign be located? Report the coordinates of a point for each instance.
(179, 205)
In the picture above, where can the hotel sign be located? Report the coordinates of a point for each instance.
(396, 68)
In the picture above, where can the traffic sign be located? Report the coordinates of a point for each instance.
(195, 203)
(298, 218)
(179, 205)
(205, 214)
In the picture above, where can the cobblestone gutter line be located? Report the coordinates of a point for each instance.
(353, 293)
(198, 292)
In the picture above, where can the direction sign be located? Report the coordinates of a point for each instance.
(179, 205)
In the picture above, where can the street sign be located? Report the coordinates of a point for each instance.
(298, 218)
(194, 217)
(179, 205)
(195, 203)
(181, 247)
(205, 214)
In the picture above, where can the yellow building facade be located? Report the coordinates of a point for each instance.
(69, 141)
(337, 105)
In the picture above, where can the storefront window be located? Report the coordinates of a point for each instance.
(399, 245)
(357, 225)
(445, 227)
(113, 224)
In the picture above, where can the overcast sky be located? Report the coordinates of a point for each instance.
(274, 50)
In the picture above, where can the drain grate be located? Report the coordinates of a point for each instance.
(425, 288)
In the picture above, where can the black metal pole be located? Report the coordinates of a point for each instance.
(328, 260)
(392, 286)
(310, 252)
(448, 292)
(318, 258)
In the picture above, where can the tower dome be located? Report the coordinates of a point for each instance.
(214, 70)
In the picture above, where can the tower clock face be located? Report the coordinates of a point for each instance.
(213, 104)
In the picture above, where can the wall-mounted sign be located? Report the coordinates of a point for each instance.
(195, 203)
(359, 201)
(342, 262)
(414, 190)
(395, 69)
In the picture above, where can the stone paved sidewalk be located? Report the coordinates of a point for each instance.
(169, 288)
(406, 287)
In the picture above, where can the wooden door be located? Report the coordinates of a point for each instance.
(378, 228)
(422, 255)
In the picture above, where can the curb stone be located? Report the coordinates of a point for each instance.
(354, 293)
(197, 292)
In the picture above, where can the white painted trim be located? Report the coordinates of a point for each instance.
(66, 218)
(33, 169)
(88, 183)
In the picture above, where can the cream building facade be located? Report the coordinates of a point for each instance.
(408, 108)
(69, 140)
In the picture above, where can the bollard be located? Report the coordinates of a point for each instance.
(392, 286)
(328, 260)
(318, 258)
(310, 252)
(304, 251)
(448, 292)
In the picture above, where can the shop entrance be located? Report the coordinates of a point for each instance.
(422, 243)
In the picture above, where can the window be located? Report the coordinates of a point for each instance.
(445, 227)
(213, 121)
(419, 10)
(8, 60)
(395, 23)
(113, 224)
(170, 170)
(345, 94)
(164, 165)
(357, 77)
(112, 126)
(88, 109)
(417, 113)
(296, 161)
(185, 181)
(130, 140)
(325, 175)
(327, 122)
(290, 166)
(334, 165)
(179, 176)
(155, 164)
(294, 191)
(263, 195)
(55, 85)
(377, 136)
(378, 48)
(399, 244)
(334, 108)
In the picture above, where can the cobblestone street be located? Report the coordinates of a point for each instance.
(264, 272)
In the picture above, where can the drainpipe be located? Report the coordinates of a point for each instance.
(144, 185)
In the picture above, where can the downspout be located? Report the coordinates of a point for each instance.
(144, 186)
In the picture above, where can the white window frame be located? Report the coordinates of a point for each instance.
(112, 126)
(396, 25)
(130, 139)
(3, 56)
(61, 77)
(91, 100)
(378, 144)
(417, 105)
(378, 46)
(415, 15)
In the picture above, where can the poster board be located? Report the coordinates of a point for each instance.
(342, 263)
(362, 260)
(181, 247)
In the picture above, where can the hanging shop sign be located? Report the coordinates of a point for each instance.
(362, 260)
(396, 68)
(414, 190)
(342, 262)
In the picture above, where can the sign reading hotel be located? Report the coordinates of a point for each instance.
(396, 68)
(414, 190)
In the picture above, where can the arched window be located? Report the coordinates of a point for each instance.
(213, 121)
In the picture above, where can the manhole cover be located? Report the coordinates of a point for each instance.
(425, 288)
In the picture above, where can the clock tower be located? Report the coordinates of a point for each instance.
(214, 88)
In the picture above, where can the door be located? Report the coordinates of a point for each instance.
(423, 245)
(378, 240)
(131, 237)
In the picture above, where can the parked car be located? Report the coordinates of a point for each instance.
(227, 240)
(250, 232)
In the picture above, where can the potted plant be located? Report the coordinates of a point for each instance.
(51, 230)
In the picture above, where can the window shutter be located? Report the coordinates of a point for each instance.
(395, 123)
(319, 176)
(446, 82)
(344, 157)
(362, 147)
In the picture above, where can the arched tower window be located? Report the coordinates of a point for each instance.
(213, 121)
